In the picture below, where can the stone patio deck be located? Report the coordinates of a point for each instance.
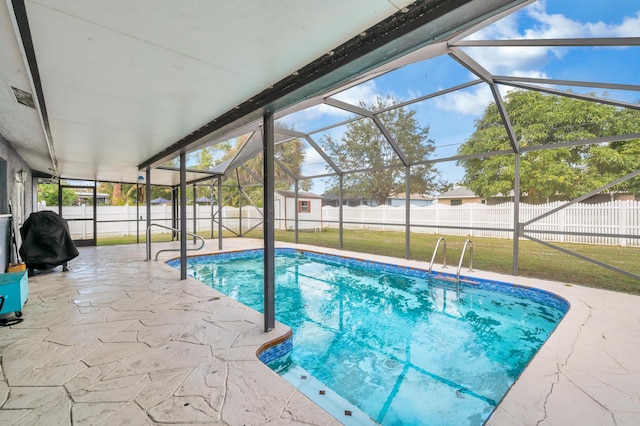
(118, 340)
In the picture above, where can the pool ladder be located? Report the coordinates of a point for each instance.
(467, 243)
(148, 242)
(444, 253)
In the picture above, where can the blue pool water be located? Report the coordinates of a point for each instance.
(400, 346)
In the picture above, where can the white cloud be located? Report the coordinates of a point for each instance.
(367, 92)
(503, 61)
(311, 156)
(630, 27)
(529, 73)
(474, 101)
(559, 26)
(468, 102)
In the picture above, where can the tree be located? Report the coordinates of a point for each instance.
(291, 154)
(48, 192)
(540, 120)
(364, 146)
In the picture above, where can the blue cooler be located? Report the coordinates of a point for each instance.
(14, 291)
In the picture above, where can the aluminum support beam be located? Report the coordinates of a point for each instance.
(470, 64)
(183, 215)
(505, 118)
(594, 141)
(295, 207)
(407, 213)
(138, 213)
(340, 212)
(580, 256)
(584, 197)
(560, 42)
(219, 213)
(195, 213)
(313, 143)
(379, 124)
(573, 95)
(590, 84)
(239, 204)
(148, 204)
(516, 214)
(268, 142)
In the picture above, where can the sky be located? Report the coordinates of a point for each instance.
(450, 118)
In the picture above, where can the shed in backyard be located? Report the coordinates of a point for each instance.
(309, 208)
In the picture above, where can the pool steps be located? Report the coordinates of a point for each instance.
(345, 412)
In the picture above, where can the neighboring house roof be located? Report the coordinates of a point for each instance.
(301, 194)
(459, 192)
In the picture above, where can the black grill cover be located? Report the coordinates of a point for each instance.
(46, 242)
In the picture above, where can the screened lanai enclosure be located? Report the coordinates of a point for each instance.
(531, 107)
(516, 108)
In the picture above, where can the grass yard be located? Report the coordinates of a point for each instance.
(489, 254)
(493, 254)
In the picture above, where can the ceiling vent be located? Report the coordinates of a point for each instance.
(24, 98)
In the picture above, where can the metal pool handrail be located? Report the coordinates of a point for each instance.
(148, 242)
(464, 249)
(444, 253)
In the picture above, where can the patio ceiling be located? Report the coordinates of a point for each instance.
(122, 84)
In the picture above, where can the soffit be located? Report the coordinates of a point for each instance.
(123, 80)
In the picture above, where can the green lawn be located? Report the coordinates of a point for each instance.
(489, 254)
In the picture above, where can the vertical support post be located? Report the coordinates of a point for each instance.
(211, 204)
(295, 207)
(239, 204)
(239, 207)
(137, 213)
(219, 213)
(174, 213)
(148, 201)
(340, 211)
(95, 214)
(268, 142)
(407, 214)
(183, 215)
(195, 214)
(60, 198)
(516, 213)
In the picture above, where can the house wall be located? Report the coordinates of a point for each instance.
(16, 190)
(447, 201)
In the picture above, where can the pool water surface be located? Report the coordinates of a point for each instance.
(401, 347)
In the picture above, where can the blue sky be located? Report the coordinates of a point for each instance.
(451, 117)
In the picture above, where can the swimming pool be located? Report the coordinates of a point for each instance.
(402, 348)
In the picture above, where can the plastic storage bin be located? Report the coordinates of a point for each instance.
(14, 291)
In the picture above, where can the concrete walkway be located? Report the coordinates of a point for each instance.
(118, 340)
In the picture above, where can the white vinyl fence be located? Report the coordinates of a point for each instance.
(616, 217)
(121, 220)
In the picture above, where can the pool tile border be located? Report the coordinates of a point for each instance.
(544, 297)
(276, 349)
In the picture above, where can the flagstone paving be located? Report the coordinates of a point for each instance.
(119, 340)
